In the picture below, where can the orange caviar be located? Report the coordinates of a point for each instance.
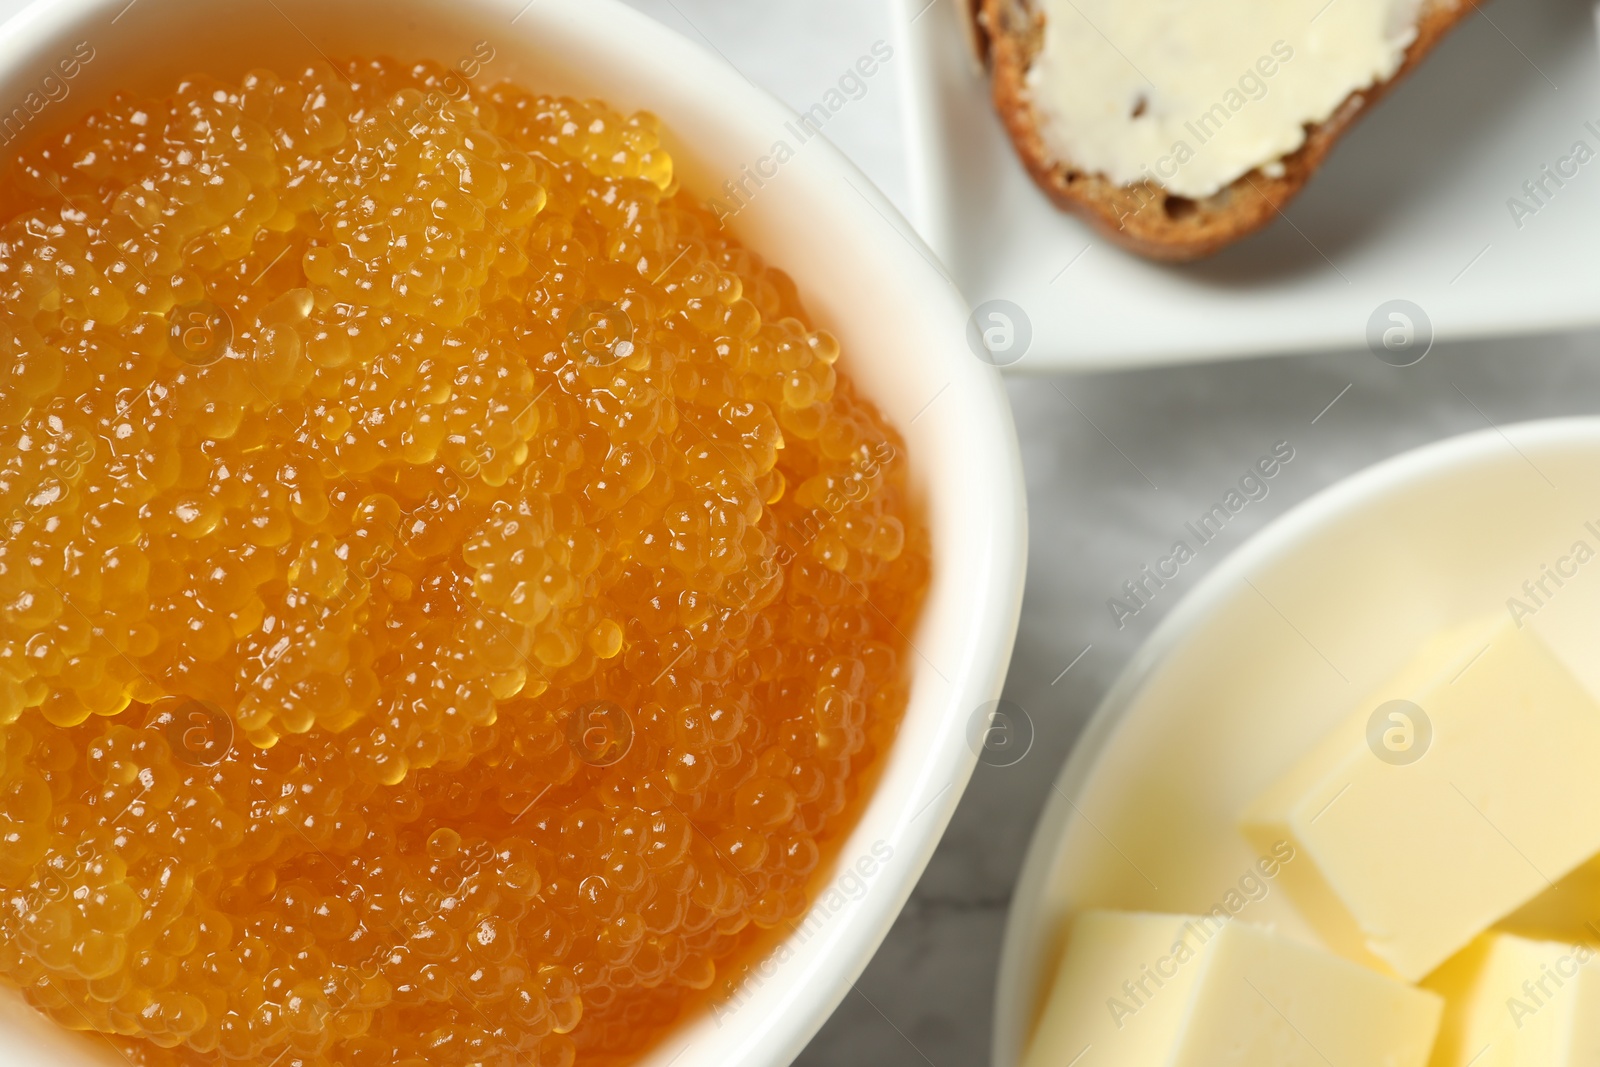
(448, 596)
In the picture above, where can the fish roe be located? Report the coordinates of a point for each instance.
(450, 599)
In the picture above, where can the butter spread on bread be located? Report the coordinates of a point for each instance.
(1176, 127)
(1193, 94)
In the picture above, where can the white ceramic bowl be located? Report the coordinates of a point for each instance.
(1262, 658)
(863, 274)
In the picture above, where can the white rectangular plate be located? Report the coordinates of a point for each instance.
(1413, 205)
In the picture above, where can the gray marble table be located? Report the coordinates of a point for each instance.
(1115, 464)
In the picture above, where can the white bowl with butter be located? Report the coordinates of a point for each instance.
(1264, 660)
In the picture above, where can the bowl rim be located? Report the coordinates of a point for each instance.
(1023, 945)
(928, 774)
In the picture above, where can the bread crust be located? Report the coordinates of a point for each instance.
(1144, 217)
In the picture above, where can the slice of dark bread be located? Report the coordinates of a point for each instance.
(1144, 217)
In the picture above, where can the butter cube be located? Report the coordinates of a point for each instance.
(1144, 990)
(1424, 821)
(1512, 1002)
